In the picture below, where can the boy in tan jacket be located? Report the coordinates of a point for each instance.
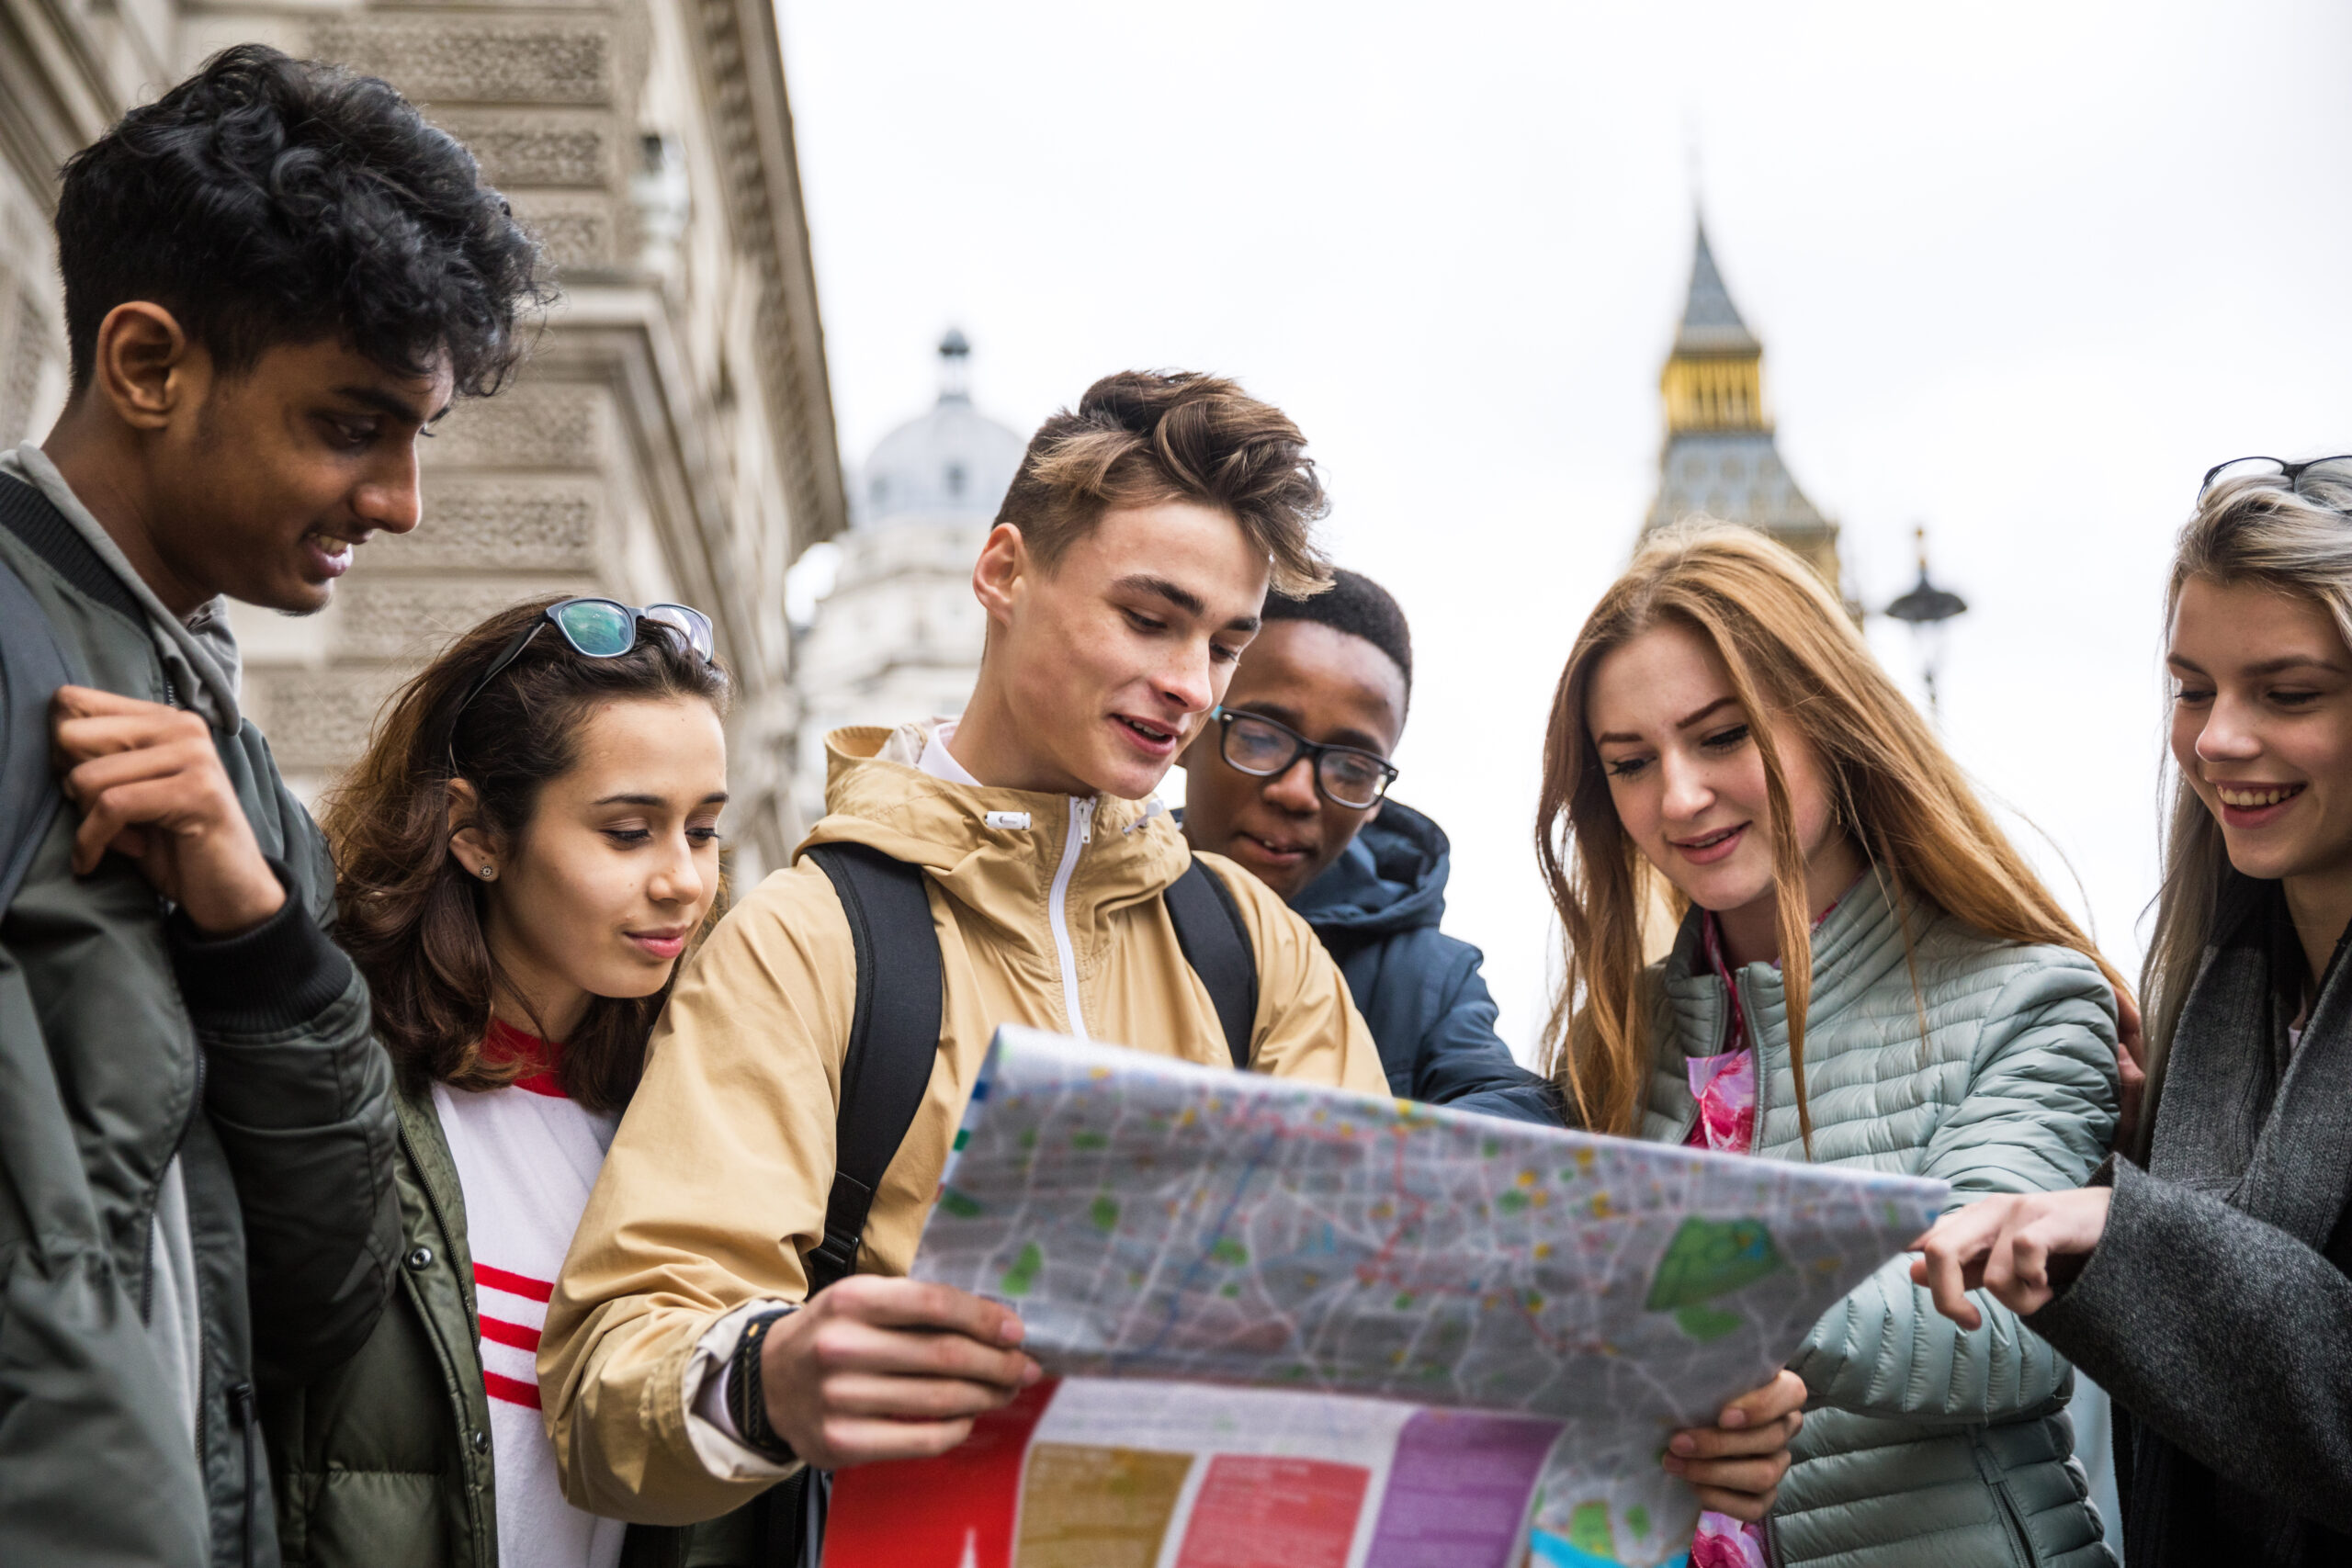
(1123, 579)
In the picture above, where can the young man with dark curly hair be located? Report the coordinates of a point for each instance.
(275, 277)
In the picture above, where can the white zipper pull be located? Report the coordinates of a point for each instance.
(1082, 832)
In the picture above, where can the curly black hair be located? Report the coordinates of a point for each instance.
(268, 201)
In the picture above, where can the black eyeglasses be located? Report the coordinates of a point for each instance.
(1344, 775)
(596, 629)
(2291, 472)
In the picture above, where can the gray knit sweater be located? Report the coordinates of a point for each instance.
(1925, 1446)
(2216, 1308)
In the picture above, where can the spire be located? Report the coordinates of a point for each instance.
(1711, 322)
(955, 367)
(1714, 379)
(1719, 460)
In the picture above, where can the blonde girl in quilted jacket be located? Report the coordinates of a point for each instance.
(1866, 973)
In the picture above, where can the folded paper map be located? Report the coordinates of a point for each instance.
(1151, 1220)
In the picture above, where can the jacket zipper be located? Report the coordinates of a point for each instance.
(240, 1402)
(1751, 1025)
(2005, 1502)
(1082, 833)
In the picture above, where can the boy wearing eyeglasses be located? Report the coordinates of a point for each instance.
(1290, 778)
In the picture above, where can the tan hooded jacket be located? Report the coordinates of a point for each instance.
(716, 1184)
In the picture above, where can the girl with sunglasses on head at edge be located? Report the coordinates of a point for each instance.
(527, 846)
(1867, 975)
(2205, 1285)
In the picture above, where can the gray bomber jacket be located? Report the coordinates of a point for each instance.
(128, 1043)
(1923, 1447)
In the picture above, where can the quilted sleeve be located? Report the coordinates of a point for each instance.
(2038, 1115)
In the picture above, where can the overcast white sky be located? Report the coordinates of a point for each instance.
(2021, 271)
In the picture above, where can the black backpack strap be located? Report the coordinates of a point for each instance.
(893, 1038)
(1216, 944)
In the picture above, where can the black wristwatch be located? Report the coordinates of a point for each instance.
(746, 1401)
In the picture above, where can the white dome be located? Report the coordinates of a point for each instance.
(952, 465)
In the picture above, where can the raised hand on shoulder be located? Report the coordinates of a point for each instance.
(149, 782)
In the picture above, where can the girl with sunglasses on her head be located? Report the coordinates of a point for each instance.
(1867, 975)
(528, 844)
(2205, 1286)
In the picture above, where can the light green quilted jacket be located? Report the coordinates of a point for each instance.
(1923, 1447)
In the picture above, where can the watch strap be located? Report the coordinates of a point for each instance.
(747, 1401)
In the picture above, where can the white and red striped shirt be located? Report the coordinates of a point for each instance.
(526, 1156)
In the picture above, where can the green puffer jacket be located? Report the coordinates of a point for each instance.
(1923, 1447)
(385, 1460)
(129, 1047)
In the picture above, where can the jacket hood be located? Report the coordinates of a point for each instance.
(995, 851)
(199, 653)
(1391, 879)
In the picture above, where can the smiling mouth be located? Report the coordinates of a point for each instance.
(1708, 841)
(1156, 735)
(333, 549)
(1273, 851)
(2253, 797)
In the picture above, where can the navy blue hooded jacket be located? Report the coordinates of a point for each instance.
(1376, 909)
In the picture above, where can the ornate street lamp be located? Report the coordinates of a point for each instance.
(1928, 610)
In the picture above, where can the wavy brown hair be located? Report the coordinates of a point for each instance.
(409, 916)
(1145, 436)
(1794, 658)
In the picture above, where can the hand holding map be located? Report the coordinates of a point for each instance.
(1152, 1219)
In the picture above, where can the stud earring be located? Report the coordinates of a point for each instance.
(489, 872)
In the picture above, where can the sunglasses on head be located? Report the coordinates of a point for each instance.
(596, 629)
(2249, 468)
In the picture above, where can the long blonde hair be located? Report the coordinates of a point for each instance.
(2293, 537)
(1793, 658)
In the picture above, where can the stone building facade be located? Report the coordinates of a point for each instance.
(899, 636)
(672, 436)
